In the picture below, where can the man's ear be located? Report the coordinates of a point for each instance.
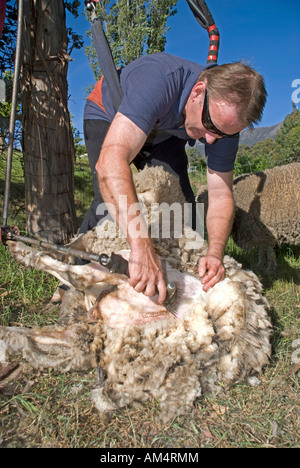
(198, 90)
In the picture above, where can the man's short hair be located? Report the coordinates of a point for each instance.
(240, 85)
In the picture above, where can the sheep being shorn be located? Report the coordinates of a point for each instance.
(141, 350)
(267, 211)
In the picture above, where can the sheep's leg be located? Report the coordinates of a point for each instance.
(79, 276)
(79, 243)
(262, 258)
(271, 259)
(49, 347)
(267, 258)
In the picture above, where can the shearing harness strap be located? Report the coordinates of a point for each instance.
(206, 20)
(105, 56)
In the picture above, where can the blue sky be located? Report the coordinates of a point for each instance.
(264, 33)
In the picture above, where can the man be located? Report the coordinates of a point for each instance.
(167, 102)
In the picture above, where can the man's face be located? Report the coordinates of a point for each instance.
(223, 116)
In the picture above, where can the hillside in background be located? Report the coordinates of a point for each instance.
(260, 148)
(251, 137)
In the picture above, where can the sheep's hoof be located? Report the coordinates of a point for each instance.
(9, 372)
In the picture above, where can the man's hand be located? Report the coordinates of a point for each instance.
(211, 271)
(145, 271)
(219, 222)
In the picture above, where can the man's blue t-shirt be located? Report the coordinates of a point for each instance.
(156, 88)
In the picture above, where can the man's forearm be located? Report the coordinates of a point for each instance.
(219, 224)
(118, 191)
(120, 146)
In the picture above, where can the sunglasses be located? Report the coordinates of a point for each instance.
(207, 122)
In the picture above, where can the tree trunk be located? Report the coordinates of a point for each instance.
(47, 136)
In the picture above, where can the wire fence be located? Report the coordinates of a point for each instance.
(249, 166)
(83, 188)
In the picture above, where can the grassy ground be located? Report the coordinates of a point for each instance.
(49, 409)
(83, 193)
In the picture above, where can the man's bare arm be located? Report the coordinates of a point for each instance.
(219, 224)
(122, 143)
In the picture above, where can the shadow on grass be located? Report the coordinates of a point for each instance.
(279, 287)
(286, 257)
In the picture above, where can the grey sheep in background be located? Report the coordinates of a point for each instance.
(267, 211)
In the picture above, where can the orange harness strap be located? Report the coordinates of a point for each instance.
(96, 94)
